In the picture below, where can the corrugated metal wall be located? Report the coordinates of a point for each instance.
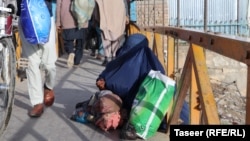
(222, 16)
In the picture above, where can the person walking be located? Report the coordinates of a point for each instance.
(113, 20)
(40, 57)
(94, 27)
(73, 37)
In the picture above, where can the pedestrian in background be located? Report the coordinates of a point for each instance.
(73, 37)
(95, 24)
(113, 20)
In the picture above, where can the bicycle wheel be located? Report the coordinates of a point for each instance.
(7, 80)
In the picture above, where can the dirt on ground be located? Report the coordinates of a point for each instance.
(231, 104)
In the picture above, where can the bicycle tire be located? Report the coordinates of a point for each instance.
(7, 79)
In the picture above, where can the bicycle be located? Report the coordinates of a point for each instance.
(7, 62)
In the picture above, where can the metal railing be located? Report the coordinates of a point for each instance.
(222, 16)
(194, 77)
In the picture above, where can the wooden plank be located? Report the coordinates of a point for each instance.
(18, 51)
(182, 88)
(248, 97)
(60, 44)
(170, 57)
(150, 39)
(133, 28)
(170, 68)
(158, 49)
(225, 45)
(207, 99)
(195, 111)
(18, 45)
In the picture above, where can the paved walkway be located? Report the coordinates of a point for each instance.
(73, 85)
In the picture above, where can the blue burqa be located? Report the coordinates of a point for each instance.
(133, 62)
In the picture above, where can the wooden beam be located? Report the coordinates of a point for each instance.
(195, 111)
(182, 89)
(248, 96)
(133, 28)
(150, 38)
(18, 51)
(225, 45)
(207, 99)
(158, 48)
(170, 57)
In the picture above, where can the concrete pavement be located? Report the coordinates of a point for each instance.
(73, 85)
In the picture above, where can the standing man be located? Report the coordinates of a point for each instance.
(113, 20)
(41, 57)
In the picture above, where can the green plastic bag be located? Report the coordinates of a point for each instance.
(151, 103)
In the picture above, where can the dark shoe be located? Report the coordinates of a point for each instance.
(37, 111)
(105, 62)
(49, 97)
